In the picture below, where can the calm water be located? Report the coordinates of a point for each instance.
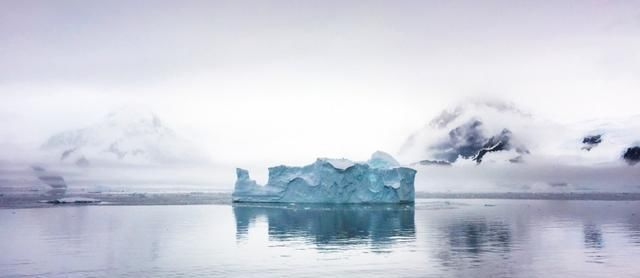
(434, 238)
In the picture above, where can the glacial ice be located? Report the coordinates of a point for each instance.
(379, 180)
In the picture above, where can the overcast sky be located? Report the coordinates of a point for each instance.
(292, 80)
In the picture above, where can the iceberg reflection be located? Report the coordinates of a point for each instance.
(325, 225)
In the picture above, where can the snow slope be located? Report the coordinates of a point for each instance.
(125, 136)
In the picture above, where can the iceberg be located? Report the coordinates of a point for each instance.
(379, 180)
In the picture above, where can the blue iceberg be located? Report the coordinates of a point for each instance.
(379, 180)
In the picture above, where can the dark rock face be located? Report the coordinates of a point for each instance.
(496, 143)
(632, 155)
(53, 181)
(591, 141)
(66, 153)
(38, 169)
(468, 141)
(82, 162)
(464, 141)
(594, 139)
(517, 159)
(56, 182)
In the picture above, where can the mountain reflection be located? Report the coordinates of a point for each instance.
(592, 236)
(377, 225)
(479, 237)
(472, 242)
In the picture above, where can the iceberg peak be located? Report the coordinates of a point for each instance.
(242, 174)
(380, 159)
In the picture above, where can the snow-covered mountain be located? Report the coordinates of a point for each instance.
(126, 136)
(495, 132)
(470, 131)
(496, 147)
(602, 141)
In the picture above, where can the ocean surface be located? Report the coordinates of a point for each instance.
(433, 238)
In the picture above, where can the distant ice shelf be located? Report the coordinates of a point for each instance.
(379, 180)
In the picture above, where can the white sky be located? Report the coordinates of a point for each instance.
(288, 81)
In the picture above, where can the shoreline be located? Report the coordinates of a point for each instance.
(28, 200)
